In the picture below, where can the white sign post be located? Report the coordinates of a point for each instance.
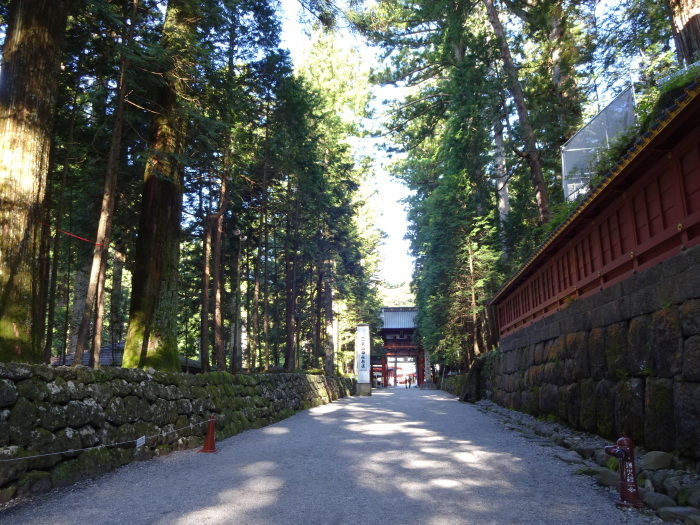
(362, 361)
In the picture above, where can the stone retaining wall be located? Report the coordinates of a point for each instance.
(624, 360)
(453, 384)
(51, 415)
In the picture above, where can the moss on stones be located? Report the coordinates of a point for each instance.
(658, 413)
(666, 342)
(66, 473)
(8, 392)
(34, 482)
(629, 409)
(587, 415)
(33, 389)
(616, 355)
(65, 416)
(22, 421)
(605, 394)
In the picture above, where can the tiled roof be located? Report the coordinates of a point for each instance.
(400, 317)
(113, 355)
(108, 356)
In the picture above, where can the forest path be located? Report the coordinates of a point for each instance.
(399, 456)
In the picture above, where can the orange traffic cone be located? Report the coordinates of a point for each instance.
(209, 445)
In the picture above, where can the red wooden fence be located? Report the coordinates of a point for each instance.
(647, 210)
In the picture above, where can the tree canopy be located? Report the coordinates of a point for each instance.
(232, 225)
(495, 88)
(171, 182)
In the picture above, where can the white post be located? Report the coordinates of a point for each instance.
(362, 361)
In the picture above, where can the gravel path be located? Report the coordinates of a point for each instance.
(400, 456)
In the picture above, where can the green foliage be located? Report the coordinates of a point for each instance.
(635, 42)
(612, 464)
(268, 149)
(396, 294)
(445, 128)
(313, 371)
(657, 97)
(652, 101)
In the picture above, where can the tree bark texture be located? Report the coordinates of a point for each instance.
(94, 361)
(31, 58)
(330, 334)
(204, 307)
(501, 179)
(116, 318)
(266, 288)
(237, 327)
(254, 338)
(80, 284)
(290, 276)
(531, 153)
(104, 228)
(60, 210)
(217, 283)
(152, 334)
(318, 313)
(686, 22)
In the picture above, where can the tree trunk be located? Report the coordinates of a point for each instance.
(248, 303)
(260, 256)
(31, 57)
(99, 316)
(254, 336)
(79, 293)
(289, 324)
(472, 307)
(318, 315)
(236, 328)
(60, 209)
(501, 182)
(330, 335)
(109, 199)
(116, 320)
(204, 308)
(39, 309)
(291, 289)
(277, 301)
(152, 334)
(266, 315)
(532, 153)
(265, 291)
(686, 24)
(217, 282)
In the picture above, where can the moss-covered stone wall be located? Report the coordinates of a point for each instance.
(69, 424)
(453, 384)
(624, 360)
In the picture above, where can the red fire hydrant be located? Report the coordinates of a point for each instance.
(627, 486)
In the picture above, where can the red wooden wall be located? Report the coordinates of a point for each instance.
(647, 212)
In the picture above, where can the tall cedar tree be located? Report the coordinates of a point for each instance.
(686, 24)
(531, 153)
(31, 58)
(152, 333)
(96, 285)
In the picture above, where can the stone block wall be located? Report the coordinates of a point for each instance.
(626, 359)
(453, 384)
(68, 424)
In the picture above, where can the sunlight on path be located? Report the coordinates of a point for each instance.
(399, 456)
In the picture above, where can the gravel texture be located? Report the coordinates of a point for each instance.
(400, 456)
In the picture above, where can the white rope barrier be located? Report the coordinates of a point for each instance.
(142, 441)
